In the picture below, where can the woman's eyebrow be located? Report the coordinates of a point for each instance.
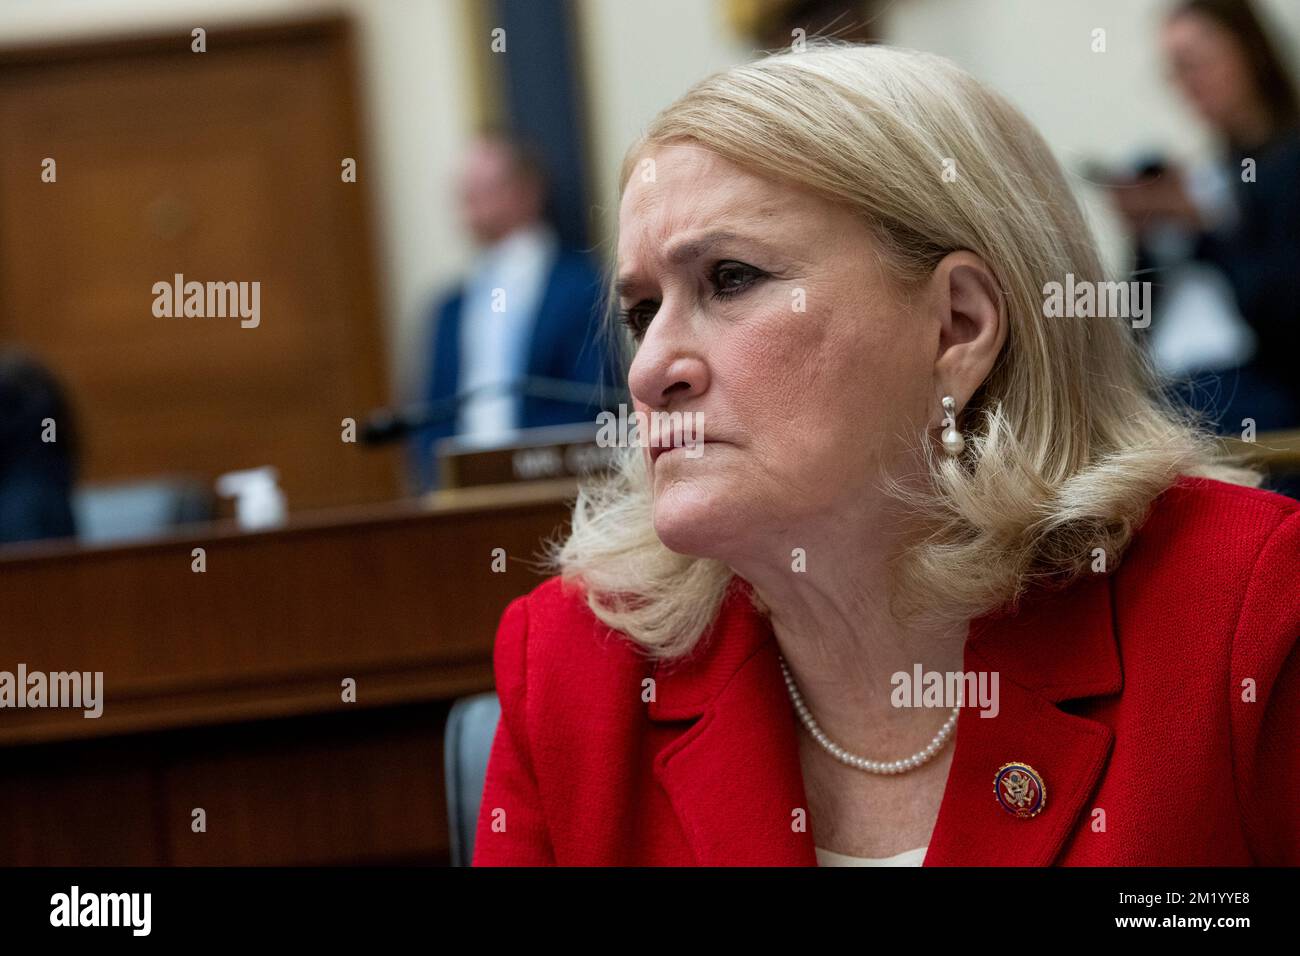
(687, 250)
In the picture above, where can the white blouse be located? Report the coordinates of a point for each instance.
(906, 858)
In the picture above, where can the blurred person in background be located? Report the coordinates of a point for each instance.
(528, 308)
(1223, 240)
(36, 474)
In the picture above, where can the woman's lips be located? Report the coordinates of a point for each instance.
(695, 450)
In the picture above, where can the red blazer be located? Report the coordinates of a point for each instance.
(1124, 691)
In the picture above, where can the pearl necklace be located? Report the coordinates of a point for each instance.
(862, 763)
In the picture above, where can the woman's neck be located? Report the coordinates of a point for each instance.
(843, 644)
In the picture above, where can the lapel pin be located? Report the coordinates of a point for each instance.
(1020, 790)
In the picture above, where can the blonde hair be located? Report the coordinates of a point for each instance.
(1068, 440)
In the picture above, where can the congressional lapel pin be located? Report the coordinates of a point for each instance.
(1020, 790)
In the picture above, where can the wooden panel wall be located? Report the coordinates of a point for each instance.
(221, 166)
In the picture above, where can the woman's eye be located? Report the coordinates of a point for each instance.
(730, 278)
(638, 317)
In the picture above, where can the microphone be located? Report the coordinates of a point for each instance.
(388, 424)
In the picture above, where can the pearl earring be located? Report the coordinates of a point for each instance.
(953, 443)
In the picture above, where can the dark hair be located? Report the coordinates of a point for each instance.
(30, 393)
(36, 477)
(1272, 81)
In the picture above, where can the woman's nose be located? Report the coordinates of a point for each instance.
(664, 372)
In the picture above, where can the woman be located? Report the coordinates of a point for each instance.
(837, 259)
(1240, 213)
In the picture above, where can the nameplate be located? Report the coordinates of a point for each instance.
(535, 454)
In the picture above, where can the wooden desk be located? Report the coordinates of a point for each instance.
(222, 689)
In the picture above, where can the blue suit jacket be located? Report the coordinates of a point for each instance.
(565, 345)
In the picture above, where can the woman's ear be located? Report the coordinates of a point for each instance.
(972, 318)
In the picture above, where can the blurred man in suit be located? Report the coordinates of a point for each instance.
(527, 309)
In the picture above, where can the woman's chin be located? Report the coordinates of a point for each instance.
(688, 520)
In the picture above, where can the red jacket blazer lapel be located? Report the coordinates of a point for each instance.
(734, 778)
(1189, 747)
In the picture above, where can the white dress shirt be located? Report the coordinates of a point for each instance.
(906, 858)
(498, 314)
